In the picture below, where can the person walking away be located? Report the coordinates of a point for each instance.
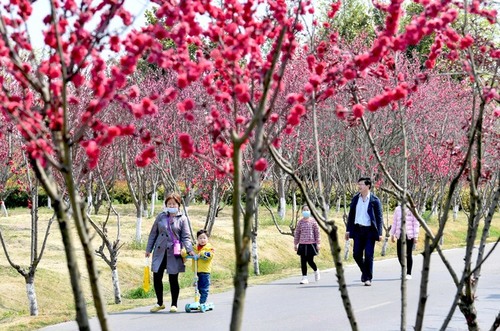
(307, 243)
(205, 252)
(364, 226)
(412, 230)
(169, 233)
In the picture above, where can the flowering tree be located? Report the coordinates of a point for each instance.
(38, 98)
(111, 243)
(37, 246)
(6, 151)
(243, 82)
(11, 158)
(470, 156)
(101, 181)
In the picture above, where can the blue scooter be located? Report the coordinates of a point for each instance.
(196, 305)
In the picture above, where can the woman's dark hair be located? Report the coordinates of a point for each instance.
(173, 196)
(366, 180)
(200, 232)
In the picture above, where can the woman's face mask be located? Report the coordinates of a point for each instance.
(172, 210)
(306, 213)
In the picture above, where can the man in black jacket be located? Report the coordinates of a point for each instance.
(364, 226)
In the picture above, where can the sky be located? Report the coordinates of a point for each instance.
(41, 8)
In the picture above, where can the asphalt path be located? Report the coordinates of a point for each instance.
(287, 305)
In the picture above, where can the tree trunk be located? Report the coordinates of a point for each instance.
(74, 272)
(83, 234)
(89, 194)
(116, 285)
(4, 209)
(386, 228)
(281, 195)
(339, 268)
(210, 220)
(212, 208)
(455, 211)
(434, 206)
(138, 223)
(31, 293)
(186, 213)
(423, 284)
(468, 308)
(423, 202)
(240, 287)
(255, 251)
(241, 272)
(255, 256)
(347, 248)
(153, 201)
(97, 199)
(385, 244)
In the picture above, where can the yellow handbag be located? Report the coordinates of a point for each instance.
(145, 281)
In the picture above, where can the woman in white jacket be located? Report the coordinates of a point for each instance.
(412, 229)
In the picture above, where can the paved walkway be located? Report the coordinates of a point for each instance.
(286, 305)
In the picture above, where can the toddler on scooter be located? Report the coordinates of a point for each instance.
(205, 252)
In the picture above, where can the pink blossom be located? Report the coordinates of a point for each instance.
(145, 157)
(182, 80)
(260, 165)
(78, 80)
(92, 152)
(241, 92)
(114, 42)
(340, 111)
(309, 88)
(349, 74)
(133, 92)
(186, 145)
(466, 42)
(127, 130)
(189, 104)
(291, 98)
(358, 110)
(78, 53)
(170, 94)
(146, 137)
(188, 116)
(149, 106)
(374, 103)
(277, 142)
(293, 119)
(299, 109)
(315, 80)
(240, 119)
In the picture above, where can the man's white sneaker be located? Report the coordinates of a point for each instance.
(304, 280)
(317, 276)
(408, 277)
(368, 283)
